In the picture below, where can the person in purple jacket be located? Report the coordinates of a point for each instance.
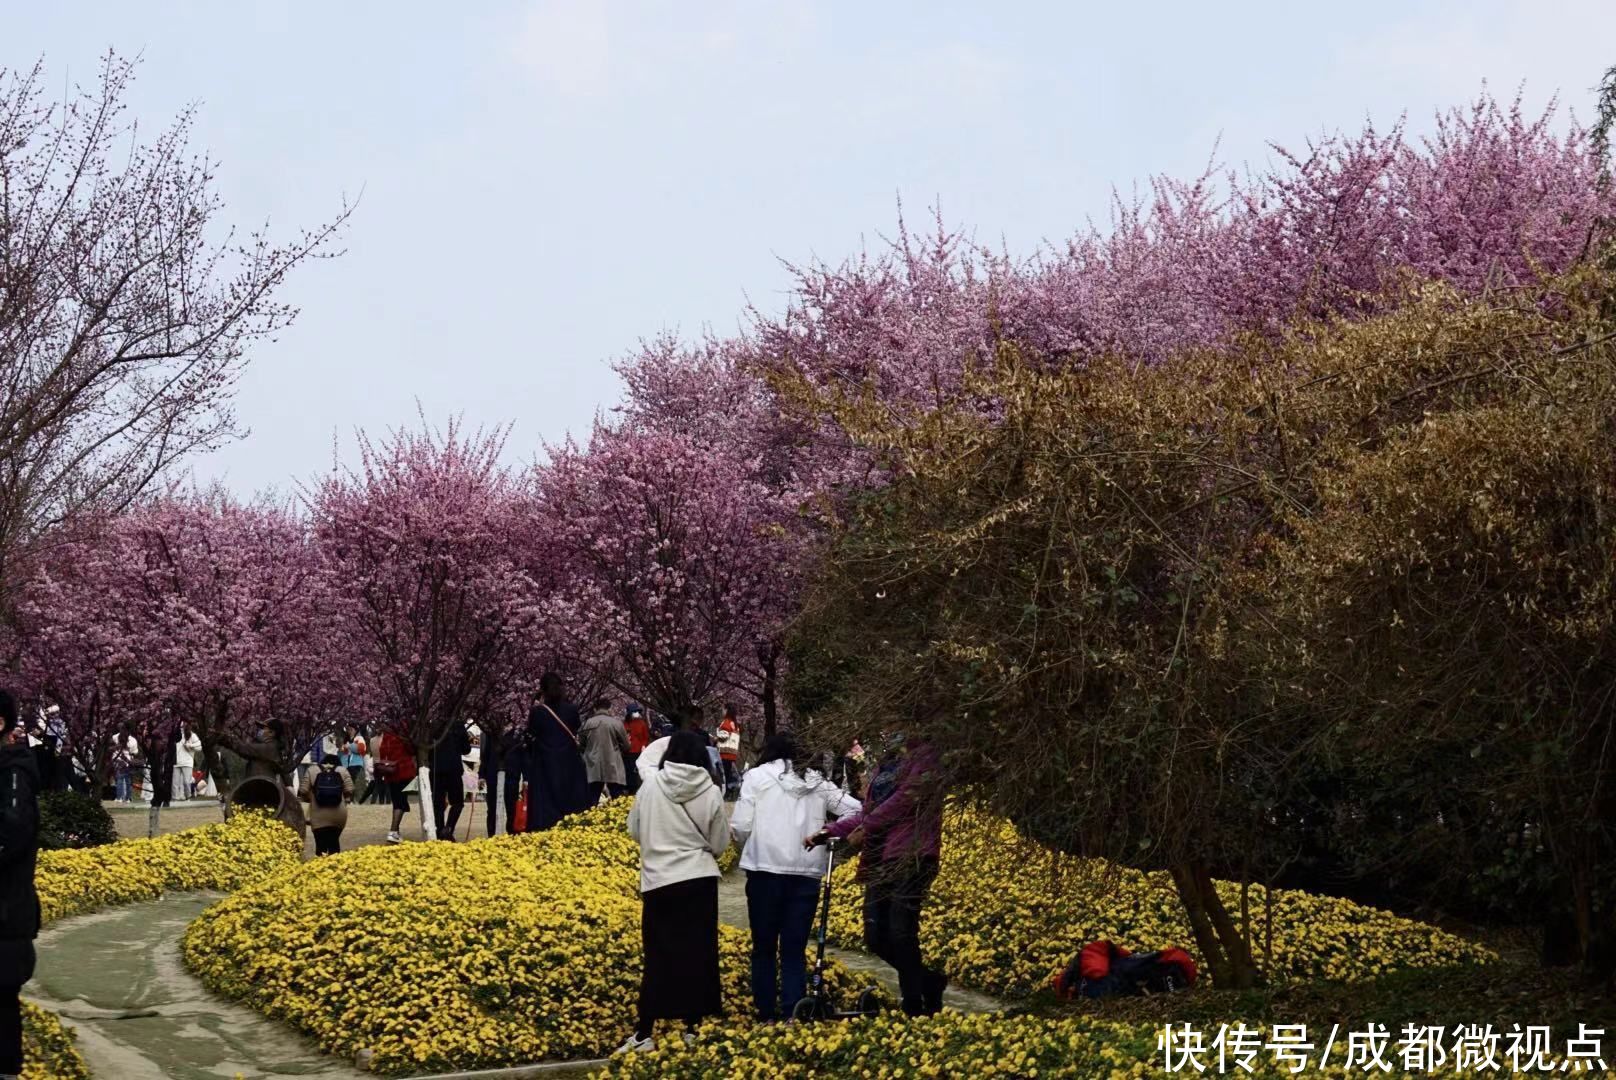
(898, 833)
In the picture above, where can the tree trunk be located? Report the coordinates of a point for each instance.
(423, 778)
(496, 792)
(769, 658)
(1243, 971)
(1245, 909)
(1268, 925)
(1206, 938)
(1225, 950)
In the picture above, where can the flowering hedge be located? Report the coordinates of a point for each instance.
(47, 1048)
(987, 1045)
(222, 856)
(892, 1045)
(1004, 916)
(450, 956)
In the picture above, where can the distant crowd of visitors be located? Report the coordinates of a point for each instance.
(529, 778)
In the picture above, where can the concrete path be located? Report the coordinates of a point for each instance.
(116, 978)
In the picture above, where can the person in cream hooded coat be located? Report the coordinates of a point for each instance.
(679, 822)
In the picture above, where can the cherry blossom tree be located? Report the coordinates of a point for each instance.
(67, 647)
(1491, 199)
(126, 314)
(189, 607)
(678, 549)
(426, 539)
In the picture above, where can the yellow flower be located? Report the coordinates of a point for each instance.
(442, 957)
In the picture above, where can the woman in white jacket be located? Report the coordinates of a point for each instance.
(778, 807)
(678, 821)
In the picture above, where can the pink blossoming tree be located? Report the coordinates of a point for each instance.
(426, 540)
(678, 550)
(187, 608)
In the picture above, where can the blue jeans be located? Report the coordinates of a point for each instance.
(123, 785)
(780, 908)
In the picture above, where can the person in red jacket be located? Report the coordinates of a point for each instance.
(729, 752)
(639, 737)
(395, 764)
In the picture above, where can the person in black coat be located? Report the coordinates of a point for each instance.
(449, 778)
(556, 782)
(502, 752)
(19, 903)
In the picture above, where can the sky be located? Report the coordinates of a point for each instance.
(547, 182)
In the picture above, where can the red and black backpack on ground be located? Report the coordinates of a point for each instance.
(1102, 969)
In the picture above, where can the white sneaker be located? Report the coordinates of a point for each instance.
(394, 838)
(689, 1037)
(635, 1045)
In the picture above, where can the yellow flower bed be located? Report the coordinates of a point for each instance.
(978, 1045)
(1004, 916)
(47, 1048)
(450, 956)
(890, 1045)
(224, 857)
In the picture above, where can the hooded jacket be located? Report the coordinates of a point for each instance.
(777, 810)
(19, 847)
(679, 822)
(650, 760)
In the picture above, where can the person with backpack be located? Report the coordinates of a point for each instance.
(899, 833)
(395, 766)
(777, 807)
(679, 822)
(19, 902)
(328, 789)
(449, 778)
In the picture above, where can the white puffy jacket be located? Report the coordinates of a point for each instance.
(777, 810)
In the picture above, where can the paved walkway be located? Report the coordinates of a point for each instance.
(367, 824)
(116, 977)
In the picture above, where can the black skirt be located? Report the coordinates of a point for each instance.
(679, 926)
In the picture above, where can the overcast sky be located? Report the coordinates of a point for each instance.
(548, 181)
